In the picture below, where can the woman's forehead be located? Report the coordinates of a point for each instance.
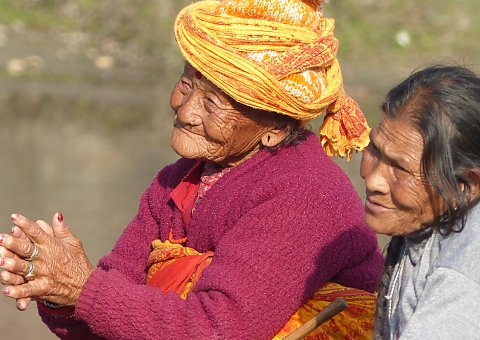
(187, 67)
(193, 73)
(396, 137)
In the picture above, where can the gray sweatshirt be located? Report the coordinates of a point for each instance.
(434, 290)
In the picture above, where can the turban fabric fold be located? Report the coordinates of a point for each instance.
(278, 56)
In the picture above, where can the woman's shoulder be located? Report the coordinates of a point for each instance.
(308, 166)
(459, 251)
(300, 174)
(305, 161)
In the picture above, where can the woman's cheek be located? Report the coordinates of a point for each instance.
(217, 129)
(408, 195)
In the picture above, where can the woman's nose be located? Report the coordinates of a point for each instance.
(189, 111)
(376, 182)
(375, 173)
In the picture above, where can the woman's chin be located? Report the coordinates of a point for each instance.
(185, 152)
(183, 145)
(378, 225)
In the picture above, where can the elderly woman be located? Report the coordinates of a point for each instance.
(234, 237)
(422, 177)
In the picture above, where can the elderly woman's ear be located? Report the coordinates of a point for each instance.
(273, 137)
(473, 177)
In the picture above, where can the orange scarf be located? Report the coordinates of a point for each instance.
(176, 268)
(278, 56)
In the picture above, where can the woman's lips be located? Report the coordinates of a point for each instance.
(374, 206)
(182, 128)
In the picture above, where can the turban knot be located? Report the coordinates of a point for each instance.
(275, 55)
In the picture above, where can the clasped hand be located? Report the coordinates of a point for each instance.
(42, 262)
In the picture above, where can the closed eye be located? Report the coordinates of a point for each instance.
(399, 167)
(213, 100)
(183, 86)
(373, 148)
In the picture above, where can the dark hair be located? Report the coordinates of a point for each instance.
(296, 133)
(443, 102)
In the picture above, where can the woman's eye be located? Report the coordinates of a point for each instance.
(400, 168)
(211, 102)
(372, 149)
(184, 85)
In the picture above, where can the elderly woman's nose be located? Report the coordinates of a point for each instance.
(375, 173)
(189, 111)
(376, 181)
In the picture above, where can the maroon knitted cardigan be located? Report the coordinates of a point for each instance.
(281, 224)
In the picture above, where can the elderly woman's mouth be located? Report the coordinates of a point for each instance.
(374, 206)
(184, 128)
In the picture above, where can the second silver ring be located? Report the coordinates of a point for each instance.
(31, 271)
(34, 254)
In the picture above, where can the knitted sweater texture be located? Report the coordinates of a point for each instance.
(281, 224)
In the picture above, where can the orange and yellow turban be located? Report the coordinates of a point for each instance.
(275, 55)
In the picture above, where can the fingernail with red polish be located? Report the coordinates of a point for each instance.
(2, 262)
(6, 291)
(60, 217)
(2, 237)
(13, 217)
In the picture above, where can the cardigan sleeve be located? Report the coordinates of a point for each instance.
(264, 267)
(127, 261)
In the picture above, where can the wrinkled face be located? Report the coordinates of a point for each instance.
(398, 199)
(209, 125)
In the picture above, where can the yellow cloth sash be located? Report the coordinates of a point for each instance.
(173, 267)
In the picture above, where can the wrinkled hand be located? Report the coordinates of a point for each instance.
(7, 278)
(61, 268)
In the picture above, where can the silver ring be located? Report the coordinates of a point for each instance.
(30, 274)
(34, 254)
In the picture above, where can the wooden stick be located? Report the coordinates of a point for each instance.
(330, 311)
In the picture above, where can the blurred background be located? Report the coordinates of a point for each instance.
(84, 87)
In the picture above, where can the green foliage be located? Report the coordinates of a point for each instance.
(33, 16)
(370, 30)
(137, 34)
